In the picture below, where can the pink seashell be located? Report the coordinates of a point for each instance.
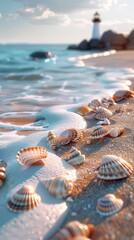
(90, 115)
(122, 94)
(72, 134)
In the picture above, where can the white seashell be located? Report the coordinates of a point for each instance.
(95, 103)
(32, 156)
(99, 132)
(24, 199)
(3, 165)
(83, 110)
(116, 132)
(74, 229)
(103, 113)
(75, 158)
(109, 204)
(60, 187)
(72, 134)
(104, 122)
(51, 140)
(114, 167)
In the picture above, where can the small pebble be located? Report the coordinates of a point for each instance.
(69, 199)
(128, 216)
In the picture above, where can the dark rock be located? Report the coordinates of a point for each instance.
(41, 55)
(130, 43)
(94, 44)
(84, 45)
(114, 40)
(72, 47)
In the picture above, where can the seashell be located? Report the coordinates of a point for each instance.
(83, 110)
(114, 167)
(122, 109)
(51, 140)
(116, 132)
(104, 122)
(3, 165)
(75, 157)
(72, 134)
(90, 115)
(32, 156)
(122, 94)
(99, 132)
(24, 199)
(60, 187)
(109, 204)
(109, 101)
(95, 103)
(103, 113)
(74, 229)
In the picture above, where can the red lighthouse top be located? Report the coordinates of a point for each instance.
(96, 18)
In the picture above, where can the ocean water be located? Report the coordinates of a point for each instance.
(27, 86)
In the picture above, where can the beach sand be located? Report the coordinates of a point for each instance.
(88, 188)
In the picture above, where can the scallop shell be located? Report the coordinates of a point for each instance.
(90, 115)
(104, 122)
(32, 156)
(103, 113)
(99, 132)
(51, 140)
(24, 199)
(72, 134)
(3, 165)
(75, 158)
(60, 187)
(114, 167)
(74, 229)
(95, 103)
(122, 94)
(116, 132)
(109, 204)
(83, 110)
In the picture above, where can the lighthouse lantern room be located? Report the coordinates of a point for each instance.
(96, 26)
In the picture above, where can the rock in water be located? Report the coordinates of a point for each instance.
(41, 55)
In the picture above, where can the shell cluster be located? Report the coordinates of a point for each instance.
(109, 204)
(103, 113)
(70, 135)
(116, 131)
(24, 199)
(75, 158)
(74, 229)
(32, 156)
(51, 140)
(114, 167)
(83, 110)
(99, 132)
(60, 187)
(3, 165)
(122, 94)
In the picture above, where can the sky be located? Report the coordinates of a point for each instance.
(61, 21)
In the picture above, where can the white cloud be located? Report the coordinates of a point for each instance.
(13, 16)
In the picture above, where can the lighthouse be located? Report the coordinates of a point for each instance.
(96, 26)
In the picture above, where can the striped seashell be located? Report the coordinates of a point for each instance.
(51, 140)
(103, 113)
(83, 110)
(3, 165)
(99, 132)
(109, 204)
(74, 229)
(95, 103)
(75, 158)
(116, 132)
(104, 122)
(122, 94)
(72, 134)
(60, 187)
(32, 156)
(24, 199)
(114, 167)
(90, 115)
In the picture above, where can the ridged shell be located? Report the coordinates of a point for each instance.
(114, 167)
(51, 140)
(109, 204)
(32, 156)
(59, 187)
(122, 94)
(99, 132)
(116, 132)
(72, 134)
(103, 113)
(74, 229)
(75, 158)
(95, 103)
(90, 115)
(83, 110)
(104, 122)
(3, 165)
(24, 199)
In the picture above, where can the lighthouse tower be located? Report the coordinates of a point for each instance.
(96, 28)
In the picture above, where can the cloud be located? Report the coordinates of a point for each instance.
(0, 15)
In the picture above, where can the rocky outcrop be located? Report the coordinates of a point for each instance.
(41, 55)
(130, 43)
(114, 40)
